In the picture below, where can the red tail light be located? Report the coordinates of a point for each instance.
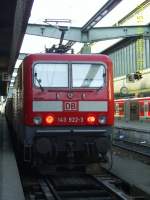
(49, 119)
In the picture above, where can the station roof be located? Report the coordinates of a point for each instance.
(80, 13)
(14, 17)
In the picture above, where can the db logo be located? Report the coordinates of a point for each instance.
(71, 106)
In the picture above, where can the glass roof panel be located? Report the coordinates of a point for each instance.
(78, 11)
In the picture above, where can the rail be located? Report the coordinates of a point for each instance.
(132, 146)
(77, 187)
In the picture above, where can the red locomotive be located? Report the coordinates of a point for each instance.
(133, 108)
(62, 108)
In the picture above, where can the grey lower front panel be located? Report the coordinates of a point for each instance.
(30, 133)
(60, 141)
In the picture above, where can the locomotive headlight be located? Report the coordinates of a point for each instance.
(37, 120)
(49, 119)
(102, 119)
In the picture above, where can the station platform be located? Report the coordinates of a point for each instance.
(133, 125)
(10, 183)
(133, 131)
(133, 172)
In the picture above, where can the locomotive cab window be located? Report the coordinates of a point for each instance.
(88, 75)
(75, 75)
(51, 75)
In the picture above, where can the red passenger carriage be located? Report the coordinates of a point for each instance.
(62, 109)
(133, 108)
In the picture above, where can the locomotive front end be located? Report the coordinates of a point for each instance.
(69, 109)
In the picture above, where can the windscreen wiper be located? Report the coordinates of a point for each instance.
(39, 81)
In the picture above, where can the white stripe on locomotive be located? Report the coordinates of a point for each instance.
(57, 106)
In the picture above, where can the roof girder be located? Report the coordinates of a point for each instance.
(95, 34)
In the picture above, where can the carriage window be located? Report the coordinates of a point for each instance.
(149, 107)
(121, 108)
(141, 107)
(116, 107)
(88, 75)
(146, 107)
(51, 75)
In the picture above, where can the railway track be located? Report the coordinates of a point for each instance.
(77, 187)
(133, 140)
(133, 147)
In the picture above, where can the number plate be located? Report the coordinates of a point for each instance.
(70, 119)
(70, 106)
